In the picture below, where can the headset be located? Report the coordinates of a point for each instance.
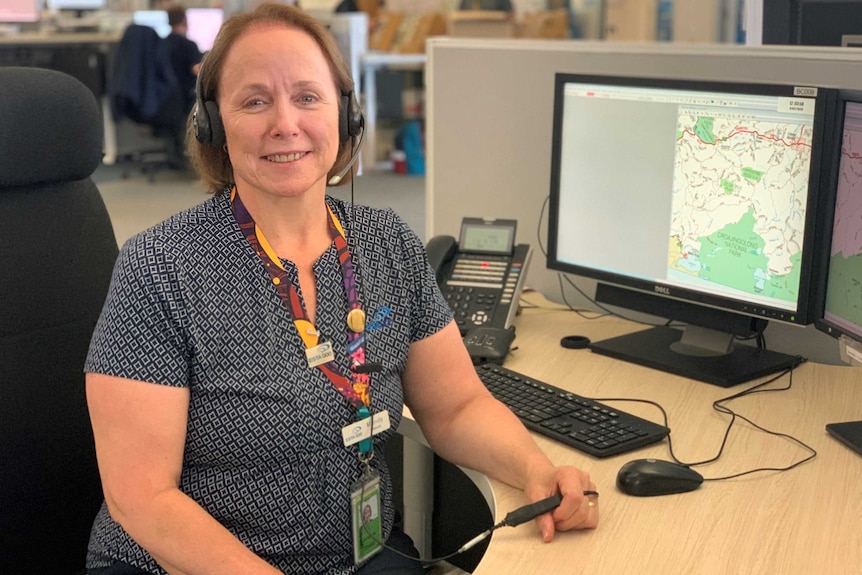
(209, 128)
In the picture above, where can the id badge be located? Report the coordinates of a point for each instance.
(319, 354)
(367, 522)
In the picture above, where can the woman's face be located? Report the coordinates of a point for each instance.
(279, 105)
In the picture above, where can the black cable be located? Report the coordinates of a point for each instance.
(513, 518)
(719, 406)
(539, 226)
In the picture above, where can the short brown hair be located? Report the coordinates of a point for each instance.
(176, 15)
(212, 163)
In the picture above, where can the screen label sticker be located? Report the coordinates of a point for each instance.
(796, 105)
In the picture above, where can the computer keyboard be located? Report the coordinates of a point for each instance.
(578, 422)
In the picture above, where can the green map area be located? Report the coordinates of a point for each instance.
(752, 174)
(703, 129)
(844, 291)
(733, 257)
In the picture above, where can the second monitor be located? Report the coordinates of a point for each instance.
(696, 201)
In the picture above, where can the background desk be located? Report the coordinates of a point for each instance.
(83, 56)
(806, 520)
(87, 57)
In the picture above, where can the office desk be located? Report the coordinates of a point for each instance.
(370, 62)
(82, 56)
(806, 520)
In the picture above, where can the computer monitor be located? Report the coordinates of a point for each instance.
(155, 19)
(77, 5)
(203, 26)
(696, 201)
(19, 11)
(842, 314)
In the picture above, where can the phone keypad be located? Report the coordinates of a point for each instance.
(471, 306)
(476, 285)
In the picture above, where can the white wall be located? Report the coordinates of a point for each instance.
(490, 106)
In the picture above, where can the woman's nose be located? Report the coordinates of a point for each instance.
(285, 121)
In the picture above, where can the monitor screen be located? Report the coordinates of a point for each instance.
(698, 199)
(843, 310)
(203, 24)
(155, 19)
(76, 4)
(19, 11)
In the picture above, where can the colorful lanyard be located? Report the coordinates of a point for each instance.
(356, 389)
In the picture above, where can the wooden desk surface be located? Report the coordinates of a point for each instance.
(807, 520)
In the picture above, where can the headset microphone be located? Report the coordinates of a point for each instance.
(334, 180)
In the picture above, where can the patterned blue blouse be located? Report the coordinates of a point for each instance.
(190, 305)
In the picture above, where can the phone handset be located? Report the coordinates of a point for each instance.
(440, 250)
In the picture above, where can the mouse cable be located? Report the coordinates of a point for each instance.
(719, 406)
(513, 518)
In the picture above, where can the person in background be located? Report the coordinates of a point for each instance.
(242, 342)
(185, 58)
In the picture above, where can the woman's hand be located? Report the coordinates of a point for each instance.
(576, 510)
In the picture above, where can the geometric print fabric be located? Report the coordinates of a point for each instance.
(190, 305)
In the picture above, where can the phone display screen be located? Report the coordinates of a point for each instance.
(494, 237)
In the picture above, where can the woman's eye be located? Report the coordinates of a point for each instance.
(308, 98)
(254, 102)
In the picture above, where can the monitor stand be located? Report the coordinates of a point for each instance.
(699, 354)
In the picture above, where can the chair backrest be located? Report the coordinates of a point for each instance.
(57, 250)
(142, 83)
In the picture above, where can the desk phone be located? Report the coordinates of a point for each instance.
(482, 276)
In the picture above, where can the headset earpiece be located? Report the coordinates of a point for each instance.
(351, 122)
(216, 126)
(207, 123)
(208, 126)
(351, 125)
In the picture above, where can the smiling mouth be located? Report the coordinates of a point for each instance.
(283, 158)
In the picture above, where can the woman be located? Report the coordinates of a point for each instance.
(232, 361)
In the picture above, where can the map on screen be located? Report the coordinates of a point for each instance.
(740, 191)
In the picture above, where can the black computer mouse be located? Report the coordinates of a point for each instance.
(649, 477)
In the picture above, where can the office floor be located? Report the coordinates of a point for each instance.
(135, 203)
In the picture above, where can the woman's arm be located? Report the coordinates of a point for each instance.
(465, 425)
(140, 432)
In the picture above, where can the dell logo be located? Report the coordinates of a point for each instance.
(809, 92)
(662, 290)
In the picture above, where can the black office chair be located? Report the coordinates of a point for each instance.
(56, 255)
(147, 104)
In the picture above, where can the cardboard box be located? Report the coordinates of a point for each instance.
(631, 20)
(548, 24)
(480, 24)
